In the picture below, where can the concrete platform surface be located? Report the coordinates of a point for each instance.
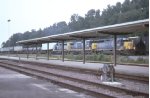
(16, 85)
(122, 69)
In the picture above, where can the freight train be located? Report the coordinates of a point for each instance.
(130, 45)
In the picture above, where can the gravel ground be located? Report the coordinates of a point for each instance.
(132, 85)
(92, 78)
(16, 85)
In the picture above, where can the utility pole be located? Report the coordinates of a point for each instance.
(8, 35)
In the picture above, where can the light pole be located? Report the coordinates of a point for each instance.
(8, 35)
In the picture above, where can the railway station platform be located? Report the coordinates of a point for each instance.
(120, 69)
(16, 85)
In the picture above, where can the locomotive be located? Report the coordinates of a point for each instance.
(135, 45)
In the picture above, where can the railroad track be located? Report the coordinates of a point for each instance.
(88, 71)
(74, 80)
(127, 64)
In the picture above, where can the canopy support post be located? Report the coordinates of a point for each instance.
(27, 51)
(115, 58)
(47, 51)
(114, 50)
(36, 52)
(83, 50)
(63, 50)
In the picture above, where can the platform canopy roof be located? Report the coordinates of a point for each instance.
(116, 29)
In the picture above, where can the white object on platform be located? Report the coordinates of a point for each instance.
(113, 83)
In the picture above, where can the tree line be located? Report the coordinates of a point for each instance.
(129, 10)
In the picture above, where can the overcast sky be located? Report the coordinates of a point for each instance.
(26, 15)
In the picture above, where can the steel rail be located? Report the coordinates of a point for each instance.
(79, 80)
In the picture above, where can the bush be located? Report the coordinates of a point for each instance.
(126, 59)
(107, 58)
